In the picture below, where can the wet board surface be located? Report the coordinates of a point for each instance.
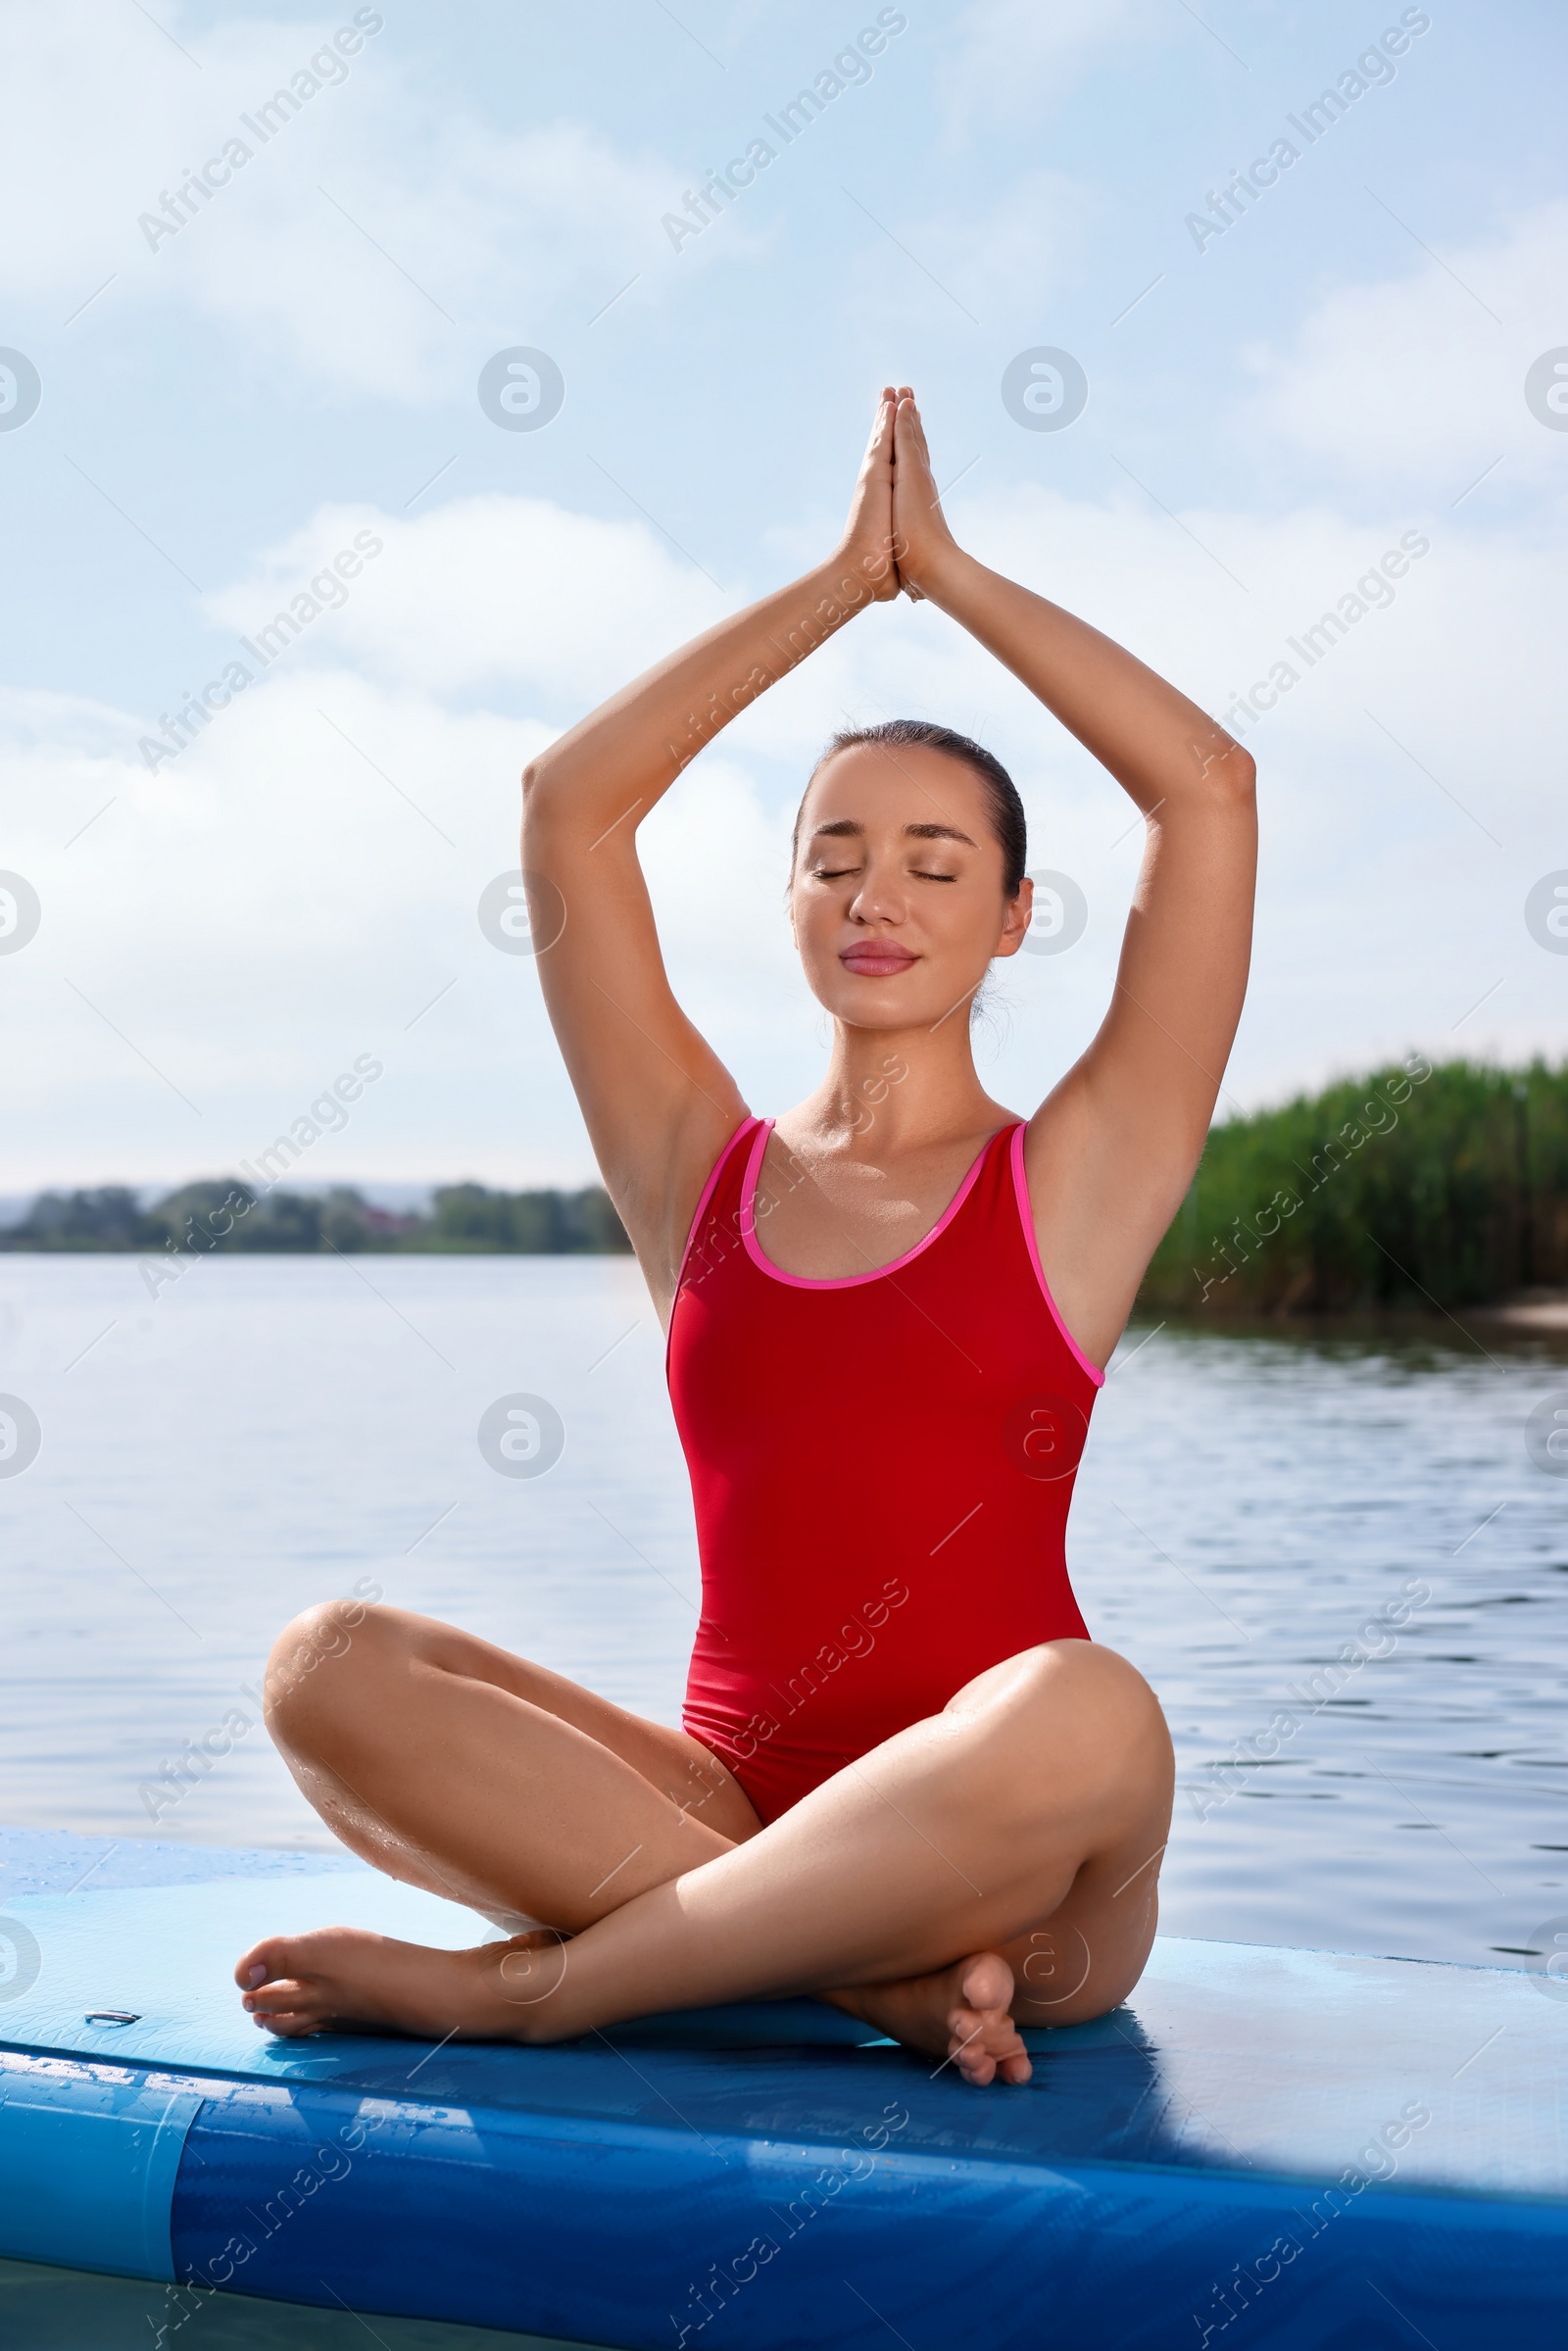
(1280, 2146)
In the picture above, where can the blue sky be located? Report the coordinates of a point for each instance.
(1275, 404)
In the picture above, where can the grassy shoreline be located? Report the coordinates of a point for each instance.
(1415, 1187)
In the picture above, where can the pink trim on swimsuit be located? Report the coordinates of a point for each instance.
(1026, 1217)
(843, 1281)
(706, 1196)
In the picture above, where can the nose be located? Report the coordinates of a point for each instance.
(881, 895)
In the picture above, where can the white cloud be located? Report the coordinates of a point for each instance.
(1011, 56)
(482, 591)
(1409, 377)
(298, 887)
(1009, 260)
(477, 229)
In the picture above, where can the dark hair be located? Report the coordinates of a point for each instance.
(1007, 819)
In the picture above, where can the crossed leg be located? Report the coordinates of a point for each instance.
(994, 1865)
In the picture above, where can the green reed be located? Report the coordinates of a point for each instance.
(1416, 1186)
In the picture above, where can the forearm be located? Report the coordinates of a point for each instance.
(1157, 745)
(627, 753)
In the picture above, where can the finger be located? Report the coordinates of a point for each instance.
(910, 439)
(909, 423)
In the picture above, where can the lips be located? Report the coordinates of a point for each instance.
(879, 961)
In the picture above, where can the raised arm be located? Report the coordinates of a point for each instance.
(1113, 1149)
(658, 1102)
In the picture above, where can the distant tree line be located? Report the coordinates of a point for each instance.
(1415, 1187)
(232, 1215)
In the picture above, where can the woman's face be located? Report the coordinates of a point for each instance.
(897, 896)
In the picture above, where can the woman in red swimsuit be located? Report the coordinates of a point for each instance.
(908, 1783)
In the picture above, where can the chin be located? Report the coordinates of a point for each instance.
(878, 1004)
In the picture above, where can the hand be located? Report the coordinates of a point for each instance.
(921, 538)
(868, 541)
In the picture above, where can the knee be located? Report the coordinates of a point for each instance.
(1079, 1705)
(1090, 1675)
(318, 1659)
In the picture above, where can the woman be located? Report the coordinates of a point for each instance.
(909, 1784)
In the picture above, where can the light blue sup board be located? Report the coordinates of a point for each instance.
(1262, 2146)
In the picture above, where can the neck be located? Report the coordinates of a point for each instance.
(894, 1090)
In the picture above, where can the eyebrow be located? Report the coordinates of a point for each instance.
(846, 825)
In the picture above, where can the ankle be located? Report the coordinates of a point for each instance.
(526, 1975)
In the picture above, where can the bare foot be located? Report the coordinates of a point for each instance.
(342, 1979)
(960, 2014)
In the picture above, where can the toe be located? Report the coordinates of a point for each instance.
(987, 1981)
(287, 2025)
(290, 2005)
(985, 2045)
(263, 1962)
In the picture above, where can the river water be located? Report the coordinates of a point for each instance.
(266, 1433)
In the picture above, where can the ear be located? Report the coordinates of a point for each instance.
(1015, 920)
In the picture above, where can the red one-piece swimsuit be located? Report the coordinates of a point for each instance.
(881, 1467)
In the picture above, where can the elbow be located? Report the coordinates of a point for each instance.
(1234, 776)
(539, 794)
(1227, 775)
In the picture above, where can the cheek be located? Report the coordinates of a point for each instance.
(814, 918)
(961, 919)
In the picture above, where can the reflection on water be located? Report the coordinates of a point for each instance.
(67, 2310)
(1333, 1557)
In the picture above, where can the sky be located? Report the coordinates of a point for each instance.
(1329, 387)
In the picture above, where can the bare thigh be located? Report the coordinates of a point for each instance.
(453, 1764)
(679, 1766)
